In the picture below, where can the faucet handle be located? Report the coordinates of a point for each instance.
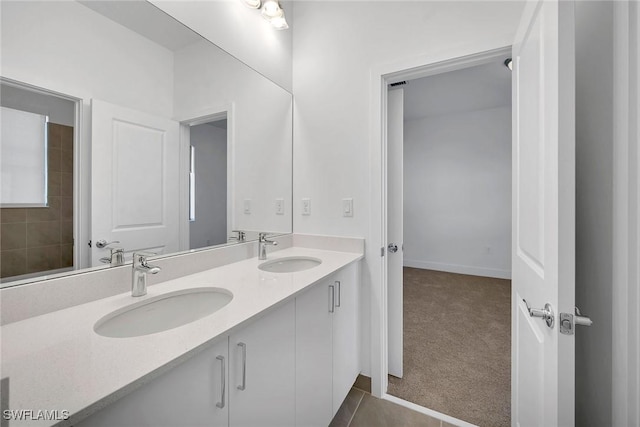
(241, 237)
(262, 237)
(141, 257)
(140, 261)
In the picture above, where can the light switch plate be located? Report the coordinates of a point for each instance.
(306, 206)
(347, 207)
(247, 206)
(279, 206)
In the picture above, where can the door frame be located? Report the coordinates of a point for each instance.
(186, 121)
(626, 216)
(81, 174)
(381, 77)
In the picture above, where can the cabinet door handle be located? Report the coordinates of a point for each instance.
(332, 298)
(338, 291)
(223, 385)
(243, 346)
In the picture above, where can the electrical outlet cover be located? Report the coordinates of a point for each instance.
(306, 206)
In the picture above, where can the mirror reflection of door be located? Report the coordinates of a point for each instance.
(208, 184)
(36, 205)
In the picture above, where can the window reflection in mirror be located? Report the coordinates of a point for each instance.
(37, 180)
(23, 145)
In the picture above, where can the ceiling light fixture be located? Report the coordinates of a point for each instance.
(253, 4)
(271, 11)
(279, 22)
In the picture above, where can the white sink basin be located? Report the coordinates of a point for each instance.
(163, 312)
(290, 264)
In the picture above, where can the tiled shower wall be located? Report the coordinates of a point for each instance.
(41, 239)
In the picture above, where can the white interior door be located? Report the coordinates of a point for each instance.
(134, 180)
(395, 141)
(543, 247)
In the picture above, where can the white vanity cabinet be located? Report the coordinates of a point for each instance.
(314, 356)
(292, 366)
(327, 346)
(346, 335)
(246, 379)
(262, 371)
(191, 394)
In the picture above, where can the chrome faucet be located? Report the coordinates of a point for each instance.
(240, 237)
(139, 273)
(116, 258)
(262, 245)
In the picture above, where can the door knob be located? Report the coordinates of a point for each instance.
(392, 248)
(546, 313)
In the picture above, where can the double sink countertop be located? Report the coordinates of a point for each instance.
(57, 362)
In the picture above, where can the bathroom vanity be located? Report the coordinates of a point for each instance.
(283, 351)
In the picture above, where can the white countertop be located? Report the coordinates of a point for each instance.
(57, 362)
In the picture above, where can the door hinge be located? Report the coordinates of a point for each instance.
(382, 251)
(89, 243)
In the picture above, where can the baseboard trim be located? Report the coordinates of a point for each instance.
(460, 269)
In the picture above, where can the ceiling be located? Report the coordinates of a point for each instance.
(475, 88)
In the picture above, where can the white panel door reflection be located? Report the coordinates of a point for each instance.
(135, 180)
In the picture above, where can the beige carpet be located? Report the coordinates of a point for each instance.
(457, 346)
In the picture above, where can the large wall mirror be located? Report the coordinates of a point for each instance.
(145, 137)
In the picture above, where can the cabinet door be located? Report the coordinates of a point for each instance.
(187, 395)
(314, 357)
(346, 337)
(262, 371)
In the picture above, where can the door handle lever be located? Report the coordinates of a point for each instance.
(546, 313)
(101, 244)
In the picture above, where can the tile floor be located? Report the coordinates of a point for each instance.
(360, 409)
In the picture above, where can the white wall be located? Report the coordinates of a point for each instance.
(259, 125)
(240, 31)
(594, 209)
(335, 48)
(60, 111)
(70, 49)
(210, 225)
(457, 192)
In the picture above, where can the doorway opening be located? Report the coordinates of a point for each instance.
(206, 202)
(208, 184)
(448, 203)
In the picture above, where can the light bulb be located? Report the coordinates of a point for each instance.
(271, 9)
(280, 23)
(253, 4)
